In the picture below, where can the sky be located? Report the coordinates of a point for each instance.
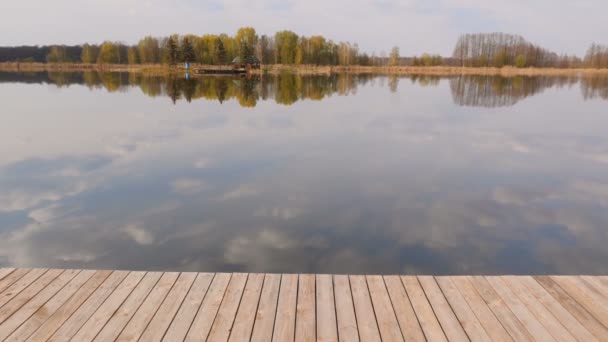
(415, 26)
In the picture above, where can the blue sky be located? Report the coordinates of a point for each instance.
(415, 26)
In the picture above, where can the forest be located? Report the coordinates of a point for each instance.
(287, 47)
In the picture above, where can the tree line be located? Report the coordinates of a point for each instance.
(287, 47)
(501, 49)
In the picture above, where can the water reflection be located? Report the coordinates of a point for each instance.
(393, 178)
(286, 89)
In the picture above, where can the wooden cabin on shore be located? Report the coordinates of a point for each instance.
(250, 62)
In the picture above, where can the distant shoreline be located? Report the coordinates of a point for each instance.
(161, 69)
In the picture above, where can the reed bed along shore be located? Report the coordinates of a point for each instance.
(161, 69)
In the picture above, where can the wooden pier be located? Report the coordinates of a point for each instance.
(87, 305)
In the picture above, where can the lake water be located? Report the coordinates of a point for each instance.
(340, 174)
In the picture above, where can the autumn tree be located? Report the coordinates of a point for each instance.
(149, 50)
(187, 50)
(393, 58)
(286, 43)
(171, 51)
(246, 40)
(220, 52)
(597, 56)
(499, 49)
(89, 53)
(57, 54)
(264, 49)
(204, 48)
(132, 57)
(108, 53)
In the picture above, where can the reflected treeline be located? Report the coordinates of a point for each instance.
(286, 89)
(484, 91)
(595, 87)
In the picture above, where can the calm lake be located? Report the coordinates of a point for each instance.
(323, 174)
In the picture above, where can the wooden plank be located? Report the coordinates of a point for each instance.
(12, 277)
(263, 325)
(5, 272)
(580, 292)
(125, 312)
(220, 331)
(285, 321)
(383, 308)
(536, 329)
(183, 319)
(596, 284)
(27, 310)
(573, 306)
(482, 311)
(406, 317)
(104, 312)
(306, 309)
(164, 315)
(88, 308)
(553, 326)
(53, 323)
(206, 315)
(508, 319)
(61, 305)
(450, 324)
(21, 284)
(28, 293)
(558, 311)
(345, 310)
(243, 324)
(464, 314)
(428, 321)
(50, 316)
(148, 308)
(327, 329)
(364, 310)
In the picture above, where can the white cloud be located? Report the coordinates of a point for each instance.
(187, 186)
(23, 199)
(139, 234)
(202, 163)
(240, 192)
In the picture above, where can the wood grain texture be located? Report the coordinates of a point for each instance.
(125, 312)
(345, 309)
(306, 324)
(86, 305)
(364, 309)
(263, 325)
(464, 314)
(103, 314)
(285, 322)
(408, 322)
(220, 331)
(428, 321)
(183, 319)
(245, 317)
(144, 314)
(383, 307)
(56, 319)
(206, 315)
(164, 315)
(598, 329)
(482, 311)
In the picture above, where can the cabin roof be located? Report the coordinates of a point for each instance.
(248, 60)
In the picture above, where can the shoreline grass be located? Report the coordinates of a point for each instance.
(162, 69)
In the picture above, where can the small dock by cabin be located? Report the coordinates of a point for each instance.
(218, 71)
(237, 67)
(110, 305)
